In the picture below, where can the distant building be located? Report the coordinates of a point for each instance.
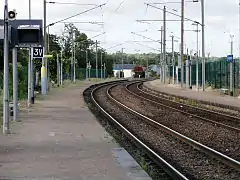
(127, 70)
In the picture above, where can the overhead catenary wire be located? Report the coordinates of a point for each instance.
(172, 13)
(77, 14)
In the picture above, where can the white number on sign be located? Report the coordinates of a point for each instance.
(38, 53)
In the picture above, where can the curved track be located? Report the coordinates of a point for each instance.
(174, 173)
(217, 118)
(219, 156)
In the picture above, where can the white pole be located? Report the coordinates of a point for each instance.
(6, 129)
(231, 67)
(29, 77)
(58, 78)
(173, 62)
(197, 84)
(31, 64)
(182, 41)
(96, 59)
(15, 84)
(61, 68)
(86, 64)
(104, 71)
(161, 56)
(89, 76)
(101, 66)
(44, 61)
(203, 46)
(74, 63)
(164, 43)
(190, 69)
(177, 75)
(187, 72)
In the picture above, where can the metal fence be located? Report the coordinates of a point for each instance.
(81, 73)
(217, 73)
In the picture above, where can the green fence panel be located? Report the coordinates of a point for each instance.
(217, 73)
(81, 73)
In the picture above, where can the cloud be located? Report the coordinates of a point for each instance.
(120, 19)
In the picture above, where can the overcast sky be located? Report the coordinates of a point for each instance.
(119, 17)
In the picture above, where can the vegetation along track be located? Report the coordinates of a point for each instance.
(192, 163)
(217, 118)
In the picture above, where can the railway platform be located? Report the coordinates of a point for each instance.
(208, 96)
(58, 138)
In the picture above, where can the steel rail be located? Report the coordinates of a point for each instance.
(195, 108)
(168, 168)
(207, 150)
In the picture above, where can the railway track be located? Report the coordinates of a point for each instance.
(215, 107)
(97, 98)
(170, 170)
(217, 118)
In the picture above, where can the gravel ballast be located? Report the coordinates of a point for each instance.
(194, 164)
(218, 138)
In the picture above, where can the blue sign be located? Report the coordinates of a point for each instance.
(230, 58)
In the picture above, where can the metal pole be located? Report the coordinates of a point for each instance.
(43, 69)
(15, 84)
(89, 76)
(147, 67)
(104, 70)
(173, 62)
(29, 78)
(96, 59)
(6, 129)
(239, 44)
(32, 81)
(164, 43)
(182, 41)
(74, 63)
(58, 78)
(47, 60)
(197, 84)
(161, 57)
(231, 68)
(190, 70)
(187, 71)
(31, 62)
(72, 56)
(203, 47)
(86, 64)
(29, 65)
(61, 69)
(101, 66)
(122, 62)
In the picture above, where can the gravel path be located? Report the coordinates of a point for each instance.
(194, 164)
(218, 138)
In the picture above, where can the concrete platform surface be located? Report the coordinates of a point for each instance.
(208, 96)
(60, 139)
